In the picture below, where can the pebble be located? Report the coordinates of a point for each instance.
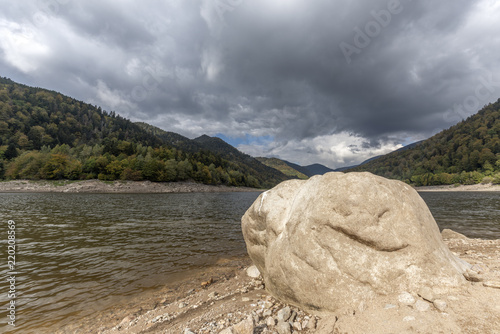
(440, 304)
(406, 298)
(212, 295)
(297, 326)
(292, 317)
(270, 322)
(246, 326)
(389, 306)
(228, 330)
(126, 320)
(245, 299)
(268, 304)
(422, 306)
(284, 328)
(409, 318)
(492, 284)
(182, 305)
(188, 331)
(253, 272)
(426, 293)
(284, 314)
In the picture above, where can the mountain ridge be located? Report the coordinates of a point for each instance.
(465, 153)
(46, 135)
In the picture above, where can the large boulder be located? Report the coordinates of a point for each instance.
(337, 240)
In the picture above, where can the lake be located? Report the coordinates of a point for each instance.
(79, 253)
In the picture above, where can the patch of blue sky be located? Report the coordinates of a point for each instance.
(246, 139)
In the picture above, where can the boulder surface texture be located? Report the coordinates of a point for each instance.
(336, 240)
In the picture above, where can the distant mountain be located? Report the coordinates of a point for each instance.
(218, 147)
(317, 169)
(466, 153)
(292, 169)
(46, 135)
(283, 167)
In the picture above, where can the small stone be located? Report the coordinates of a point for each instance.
(245, 299)
(297, 326)
(228, 330)
(268, 304)
(270, 322)
(389, 306)
(126, 320)
(188, 331)
(245, 326)
(472, 276)
(409, 318)
(426, 293)
(422, 306)
(284, 314)
(492, 284)
(253, 272)
(406, 298)
(440, 304)
(182, 305)
(312, 323)
(292, 317)
(267, 313)
(284, 328)
(212, 295)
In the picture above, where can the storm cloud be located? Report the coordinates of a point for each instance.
(326, 81)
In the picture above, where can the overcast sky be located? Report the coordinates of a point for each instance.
(334, 82)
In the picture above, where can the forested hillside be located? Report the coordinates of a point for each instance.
(45, 135)
(283, 167)
(466, 153)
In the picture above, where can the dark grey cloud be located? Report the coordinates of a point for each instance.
(328, 81)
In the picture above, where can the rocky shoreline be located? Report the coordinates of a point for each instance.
(225, 299)
(97, 186)
(472, 187)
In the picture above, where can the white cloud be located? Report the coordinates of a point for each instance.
(336, 150)
(21, 46)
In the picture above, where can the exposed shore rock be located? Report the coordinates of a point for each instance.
(96, 186)
(338, 241)
(471, 187)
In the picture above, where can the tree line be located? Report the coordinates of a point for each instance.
(45, 135)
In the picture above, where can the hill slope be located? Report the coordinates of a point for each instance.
(217, 147)
(283, 167)
(291, 169)
(466, 153)
(45, 135)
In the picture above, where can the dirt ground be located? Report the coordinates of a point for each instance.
(224, 296)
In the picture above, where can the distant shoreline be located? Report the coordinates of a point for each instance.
(128, 187)
(472, 187)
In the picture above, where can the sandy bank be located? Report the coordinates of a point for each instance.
(96, 186)
(232, 297)
(472, 187)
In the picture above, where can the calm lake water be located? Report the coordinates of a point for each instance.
(78, 253)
